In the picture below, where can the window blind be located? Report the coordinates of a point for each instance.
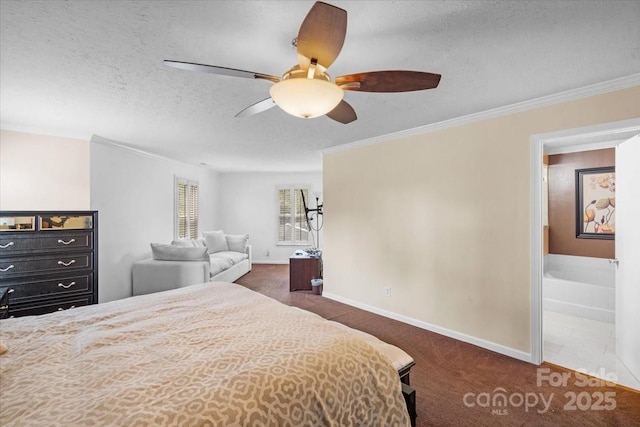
(292, 223)
(186, 209)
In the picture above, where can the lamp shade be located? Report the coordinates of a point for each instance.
(306, 98)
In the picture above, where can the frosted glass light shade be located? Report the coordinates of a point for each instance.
(306, 98)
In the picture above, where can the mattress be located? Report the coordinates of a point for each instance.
(209, 354)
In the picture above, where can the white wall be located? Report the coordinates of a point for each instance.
(248, 204)
(39, 172)
(133, 194)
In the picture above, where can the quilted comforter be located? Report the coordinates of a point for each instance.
(215, 354)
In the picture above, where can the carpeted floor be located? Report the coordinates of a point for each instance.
(459, 384)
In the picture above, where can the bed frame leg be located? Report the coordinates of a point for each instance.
(405, 379)
(409, 394)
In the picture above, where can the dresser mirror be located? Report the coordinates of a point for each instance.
(17, 223)
(73, 222)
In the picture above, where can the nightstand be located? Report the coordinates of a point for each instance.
(301, 270)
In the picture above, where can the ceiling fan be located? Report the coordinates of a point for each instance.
(306, 90)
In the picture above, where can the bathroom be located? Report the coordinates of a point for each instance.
(578, 285)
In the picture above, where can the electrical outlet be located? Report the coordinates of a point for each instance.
(266, 252)
(387, 291)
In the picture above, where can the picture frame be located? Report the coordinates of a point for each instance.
(596, 203)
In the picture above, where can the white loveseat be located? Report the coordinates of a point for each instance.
(216, 257)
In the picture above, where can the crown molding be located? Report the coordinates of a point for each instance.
(569, 95)
(41, 131)
(97, 139)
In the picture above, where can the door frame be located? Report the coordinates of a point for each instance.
(605, 135)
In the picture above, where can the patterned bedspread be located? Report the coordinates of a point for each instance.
(205, 355)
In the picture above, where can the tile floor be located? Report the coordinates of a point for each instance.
(577, 343)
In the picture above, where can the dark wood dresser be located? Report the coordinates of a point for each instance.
(48, 260)
(4, 303)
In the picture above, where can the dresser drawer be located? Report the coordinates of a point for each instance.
(24, 243)
(4, 303)
(20, 266)
(25, 290)
(48, 307)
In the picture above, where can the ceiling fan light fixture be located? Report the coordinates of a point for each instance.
(304, 97)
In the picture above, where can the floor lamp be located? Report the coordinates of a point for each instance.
(310, 213)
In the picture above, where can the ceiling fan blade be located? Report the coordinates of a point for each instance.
(256, 108)
(389, 81)
(321, 35)
(343, 113)
(213, 69)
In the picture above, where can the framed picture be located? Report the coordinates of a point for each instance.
(596, 203)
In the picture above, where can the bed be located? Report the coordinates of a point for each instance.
(210, 354)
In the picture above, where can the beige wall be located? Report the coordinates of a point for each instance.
(39, 172)
(443, 218)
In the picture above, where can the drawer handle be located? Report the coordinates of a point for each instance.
(62, 285)
(66, 264)
(7, 269)
(66, 243)
(6, 246)
(63, 309)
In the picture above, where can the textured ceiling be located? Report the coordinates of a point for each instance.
(82, 68)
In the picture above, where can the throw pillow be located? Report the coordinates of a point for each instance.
(189, 243)
(184, 243)
(178, 253)
(237, 242)
(215, 241)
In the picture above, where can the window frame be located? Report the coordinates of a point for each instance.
(190, 185)
(293, 189)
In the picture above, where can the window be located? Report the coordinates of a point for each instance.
(186, 196)
(292, 220)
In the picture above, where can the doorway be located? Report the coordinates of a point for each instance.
(574, 140)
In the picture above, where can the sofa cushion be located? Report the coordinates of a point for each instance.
(237, 242)
(178, 253)
(219, 264)
(234, 257)
(189, 243)
(215, 241)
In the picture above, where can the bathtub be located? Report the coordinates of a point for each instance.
(579, 286)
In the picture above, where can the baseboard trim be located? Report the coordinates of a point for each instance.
(498, 348)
